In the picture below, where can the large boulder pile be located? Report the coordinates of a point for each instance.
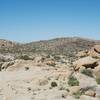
(87, 62)
(95, 51)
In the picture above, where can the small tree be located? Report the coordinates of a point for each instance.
(73, 81)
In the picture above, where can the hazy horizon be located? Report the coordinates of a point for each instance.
(34, 20)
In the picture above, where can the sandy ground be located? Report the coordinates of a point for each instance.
(29, 85)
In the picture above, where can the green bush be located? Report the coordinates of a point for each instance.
(53, 84)
(87, 72)
(73, 81)
(25, 57)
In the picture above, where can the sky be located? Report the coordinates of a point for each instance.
(33, 20)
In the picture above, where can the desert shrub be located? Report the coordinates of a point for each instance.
(98, 80)
(53, 84)
(25, 57)
(57, 57)
(87, 72)
(64, 95)
(26, 68)
(95, 57)
(48, 56)
(77, 94)
(73, 81)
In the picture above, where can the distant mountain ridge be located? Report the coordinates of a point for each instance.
(67, 46)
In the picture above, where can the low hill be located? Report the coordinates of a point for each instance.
(66, 46)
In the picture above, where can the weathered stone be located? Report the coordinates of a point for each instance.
(74, 89)
(95, 51)
(87, 62)
(85, 81)
(82, 54)
(90, 93)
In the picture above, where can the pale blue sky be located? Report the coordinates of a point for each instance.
(32, 20)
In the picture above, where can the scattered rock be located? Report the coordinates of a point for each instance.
(74, 89)
(90, 93)
(7, 64)
(51, 63)
(95, 51)
(97, 48)
(82, 54)
(43, 82)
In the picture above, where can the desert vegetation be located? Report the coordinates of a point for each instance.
(58, 69)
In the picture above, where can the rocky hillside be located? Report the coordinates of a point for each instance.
(51, 77)
(61, 45)
(7, 46)
(58, 69)
(66, 46)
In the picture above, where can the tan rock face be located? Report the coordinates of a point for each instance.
(74, 89)
(97, 69)
(7, 64)
(97, 48)
(82, 54)
(95, 51)
(98, 91)
(87, 62)
(85, 81)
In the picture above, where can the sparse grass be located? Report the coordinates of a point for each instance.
(87, 72)
(83, 90)
(73, 81)
(77, 94)
(98, 80)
